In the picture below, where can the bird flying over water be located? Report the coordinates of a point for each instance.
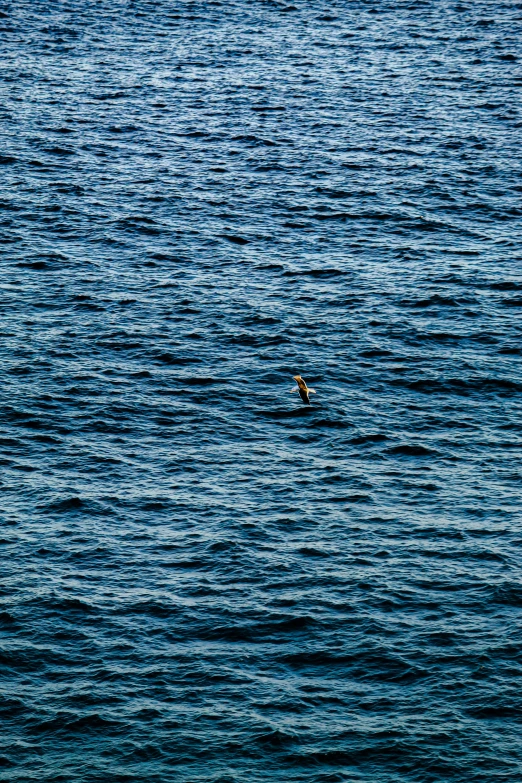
(303, 389)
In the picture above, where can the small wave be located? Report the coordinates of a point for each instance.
(436, 301)
(501, 386)
(202, 381)
(506, 285)
(507, 594)
(61, 151)
(372, 353)
(285, 413)
(355, 498)
(169, 358)
(72, 723)
(330, 423)
(235, 239)
(275, 738)
(108, 96)
(326, 272)
(63, 506)
(308, 551)
(255, 141)
(412, 450)
(7, 619)
(376, 437)
(264, 108)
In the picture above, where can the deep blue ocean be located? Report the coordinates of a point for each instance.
(204, 580)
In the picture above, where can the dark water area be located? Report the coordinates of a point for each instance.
(204, 580)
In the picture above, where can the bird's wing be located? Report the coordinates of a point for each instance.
(311, 391)
(303, 393)
(296, 388)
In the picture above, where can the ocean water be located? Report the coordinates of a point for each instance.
(203, 579)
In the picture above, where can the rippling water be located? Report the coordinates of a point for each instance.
(203, 579)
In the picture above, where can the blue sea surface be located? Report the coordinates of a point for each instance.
(202, 579)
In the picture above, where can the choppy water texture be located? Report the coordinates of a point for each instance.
(204, 580)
